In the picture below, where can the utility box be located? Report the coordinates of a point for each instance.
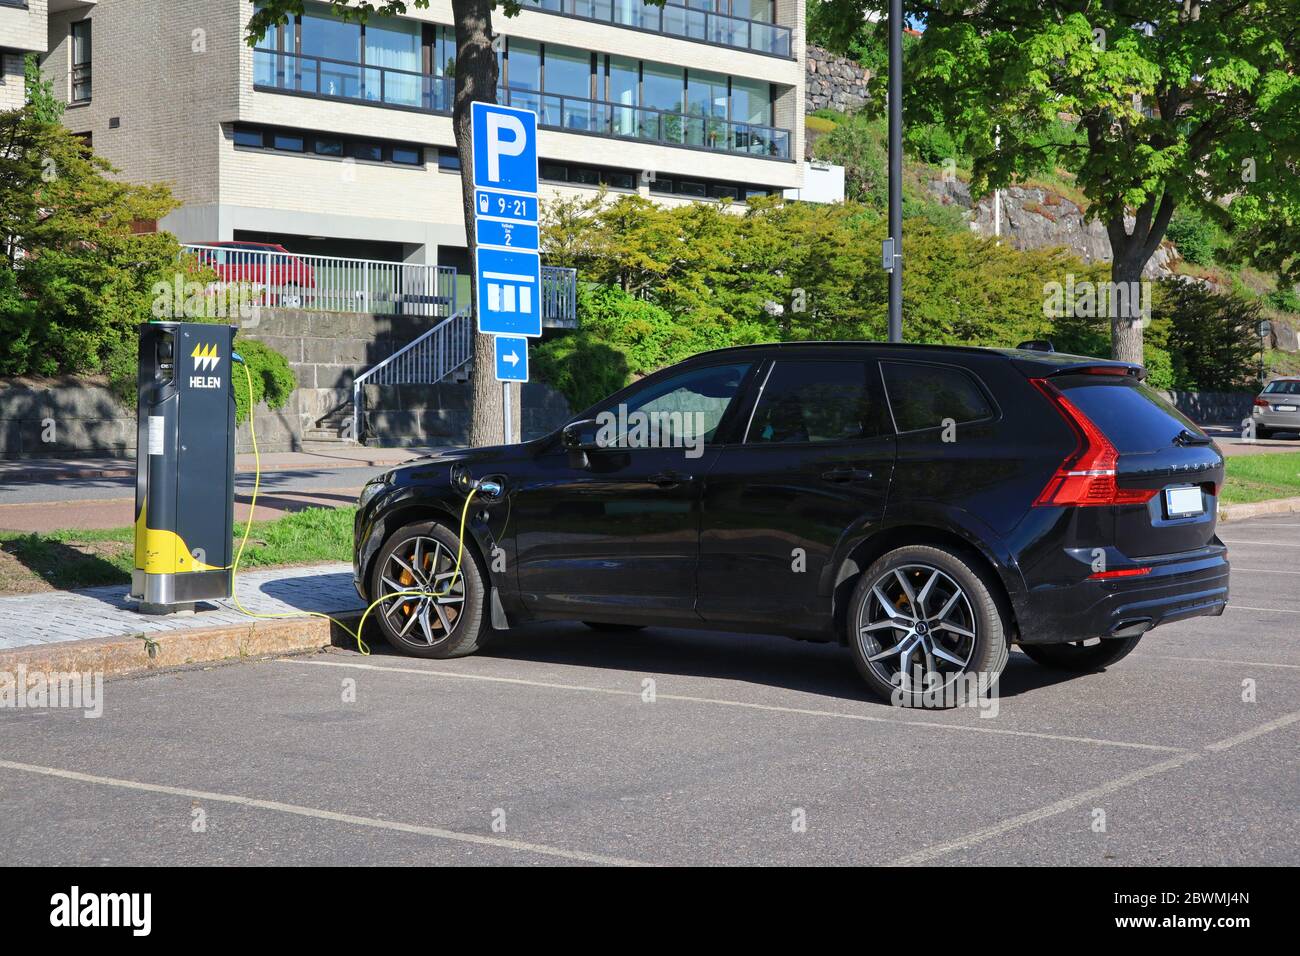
(185, 465)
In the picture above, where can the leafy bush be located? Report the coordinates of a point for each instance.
(858, 144)
(273, 379)
(1211, 336)
(581, 366)
(1284, 298)
(1196, 237)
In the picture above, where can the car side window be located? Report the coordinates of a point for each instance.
(676, 411)
(930, 396)
(812, 401)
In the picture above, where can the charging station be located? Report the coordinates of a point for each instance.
(185, 466)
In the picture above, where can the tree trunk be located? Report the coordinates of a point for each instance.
(1125, 329)
(476, 79)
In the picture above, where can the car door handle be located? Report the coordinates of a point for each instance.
(847, 474)
(667, 479)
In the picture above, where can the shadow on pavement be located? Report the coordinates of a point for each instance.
(823, 669)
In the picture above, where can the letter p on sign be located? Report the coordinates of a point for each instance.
(505, 147)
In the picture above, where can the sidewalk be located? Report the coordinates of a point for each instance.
(55, 616)
(346, 456)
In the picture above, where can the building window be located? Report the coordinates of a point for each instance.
(449, 159)
(407, 156)
(81, 62)
(252, 138)
(328, 146)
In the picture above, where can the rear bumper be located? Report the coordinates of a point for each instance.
(1178, 587)
(1286, 421)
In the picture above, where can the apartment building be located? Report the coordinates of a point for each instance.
(23, 31)
(335, 138)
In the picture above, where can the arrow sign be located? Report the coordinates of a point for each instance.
(512, 358)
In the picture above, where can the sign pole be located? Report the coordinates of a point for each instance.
(505, 405)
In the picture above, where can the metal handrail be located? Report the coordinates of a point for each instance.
(427, 360)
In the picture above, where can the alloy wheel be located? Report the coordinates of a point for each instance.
(917, 626)
(423, 564)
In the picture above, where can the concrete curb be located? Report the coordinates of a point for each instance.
(1255, 509)
(119, 656)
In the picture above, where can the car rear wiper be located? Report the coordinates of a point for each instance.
(1188, 437)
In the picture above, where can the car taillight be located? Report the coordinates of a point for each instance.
(1087, 476)
(1260, 403)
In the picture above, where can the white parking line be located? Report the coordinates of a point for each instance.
(1276, 610)
(1211, 660)
(296, 810)
(1089, 796)
(722, 702)
(1264, 571)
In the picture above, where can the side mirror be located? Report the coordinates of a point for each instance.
(577, 437)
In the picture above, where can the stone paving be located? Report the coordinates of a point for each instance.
(59, 616)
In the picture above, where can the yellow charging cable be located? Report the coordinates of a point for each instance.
(248, 526)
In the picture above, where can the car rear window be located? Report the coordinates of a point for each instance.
(1132, 415)
(1283, 388)
(930, 396)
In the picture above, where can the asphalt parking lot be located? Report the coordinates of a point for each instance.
(549, 749)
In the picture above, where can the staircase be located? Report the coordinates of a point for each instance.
(442, 354)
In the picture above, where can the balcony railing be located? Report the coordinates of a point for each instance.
(383, 86)
(341, 80)
(580, 115)
(676, 20)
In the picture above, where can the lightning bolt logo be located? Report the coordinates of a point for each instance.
(205, 357)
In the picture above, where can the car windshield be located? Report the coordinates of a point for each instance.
(1284, 387)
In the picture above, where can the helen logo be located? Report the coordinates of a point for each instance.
(74, 909)
(205, 357)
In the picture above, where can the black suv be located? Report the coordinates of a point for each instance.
(927, 506)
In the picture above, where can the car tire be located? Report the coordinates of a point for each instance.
(1262, 432)
(1081, 658)
(974, 609)
(438, 628)
(606, 626)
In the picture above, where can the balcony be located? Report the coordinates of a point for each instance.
(675, 20)
(717, 134)
(313, 76)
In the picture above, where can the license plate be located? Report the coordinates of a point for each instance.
(1183, 502)
(1284, 408)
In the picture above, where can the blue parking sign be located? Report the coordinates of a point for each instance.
(505, 147)
(509, 292)
(512, 358)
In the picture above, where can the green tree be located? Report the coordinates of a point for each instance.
(78, 277)
(1180, 103)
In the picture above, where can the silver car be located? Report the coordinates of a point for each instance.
(1277, 408)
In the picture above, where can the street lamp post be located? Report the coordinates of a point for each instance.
(894, 245)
